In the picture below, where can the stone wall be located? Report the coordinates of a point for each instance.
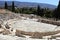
(36, 34)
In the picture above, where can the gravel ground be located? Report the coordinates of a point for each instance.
(30, 25)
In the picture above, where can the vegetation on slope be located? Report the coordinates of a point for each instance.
(43, 12)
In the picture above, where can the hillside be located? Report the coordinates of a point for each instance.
(29, 4)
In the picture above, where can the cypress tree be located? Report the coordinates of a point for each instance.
(57, 12)
(13, 8)
(39, 11)
(6, 5)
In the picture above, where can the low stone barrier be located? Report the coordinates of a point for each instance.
(36, 34)
(51, 22)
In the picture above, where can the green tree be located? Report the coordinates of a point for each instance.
(6, 5)
(39, 11)
(48, 13)
(57, 12)
(13, 7)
